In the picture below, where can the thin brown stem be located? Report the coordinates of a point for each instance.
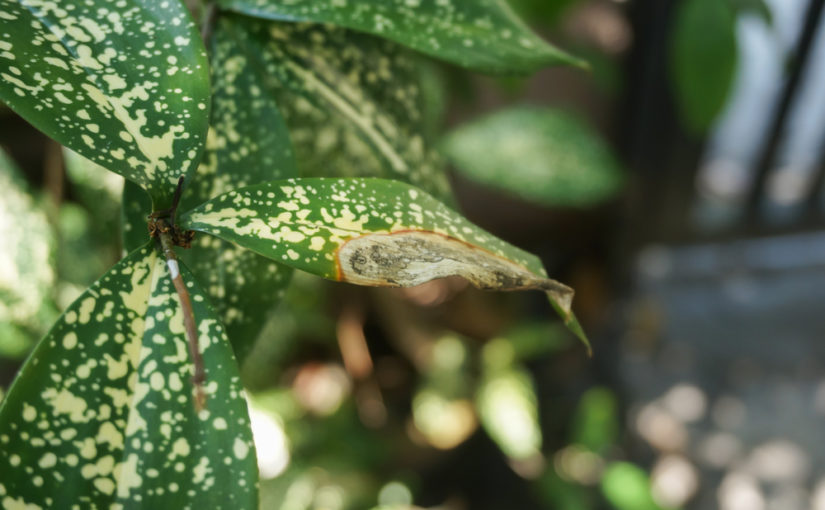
(199, 372)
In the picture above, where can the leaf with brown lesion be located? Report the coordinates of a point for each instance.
(372, 232)
(410, 258)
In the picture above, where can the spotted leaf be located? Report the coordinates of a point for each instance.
(247, 144)
(101, 416)
(372, 232)
(561, 161)
(125, 85)
(482, 34)
(353, 102)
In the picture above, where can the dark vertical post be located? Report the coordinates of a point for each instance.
(800, 58)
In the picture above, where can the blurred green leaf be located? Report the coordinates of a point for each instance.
(627, 487)
(561, 494)
(88, 75)
(542, 156)
(703, 60)
(82, 256)
(758, 7)
(27, 274)
(353, 102)
(595, 423)
(545, 12)
(508, 408)
(297, 321)
(98, 190)
(15, 341)
(533, 340)
(135, 209)
(483, 34)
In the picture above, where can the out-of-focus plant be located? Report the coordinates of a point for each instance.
(27, 272)
(704, 56)
(560, 161)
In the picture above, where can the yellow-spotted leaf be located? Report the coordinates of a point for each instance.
(124, 84)
(248, 143)
(102, 415)
(482, 34)
(353, 102)
(372, 232)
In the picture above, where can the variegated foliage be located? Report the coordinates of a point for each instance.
(123, 83)
(480, 34)
(372, 232)
(353, 102)
(101, 414)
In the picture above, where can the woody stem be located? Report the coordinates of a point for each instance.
(199, 375)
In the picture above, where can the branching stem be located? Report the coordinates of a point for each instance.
(162, 226)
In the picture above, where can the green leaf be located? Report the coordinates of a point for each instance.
(757, 7)
(481, 34)
(95, 187)
(124, 85)
(27, 273)
(86, 227)
(135, 209)
(102, 415)
(596, 420)
(371, 232)
(547, 12)
(542, 156)
(627, 487)
(557, 492)
(703, 60)
(82, 256)
(353, 102)
(508, 409)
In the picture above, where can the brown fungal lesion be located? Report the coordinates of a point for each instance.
(409, 258)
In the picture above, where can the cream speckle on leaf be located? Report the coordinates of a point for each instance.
(372, 232)
(92, 76)
(106, 437)
(353, 102)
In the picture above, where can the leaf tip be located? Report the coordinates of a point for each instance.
(571, 321)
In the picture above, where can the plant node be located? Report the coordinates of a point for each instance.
(162, 227)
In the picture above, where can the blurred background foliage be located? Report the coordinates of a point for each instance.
(439, 396)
